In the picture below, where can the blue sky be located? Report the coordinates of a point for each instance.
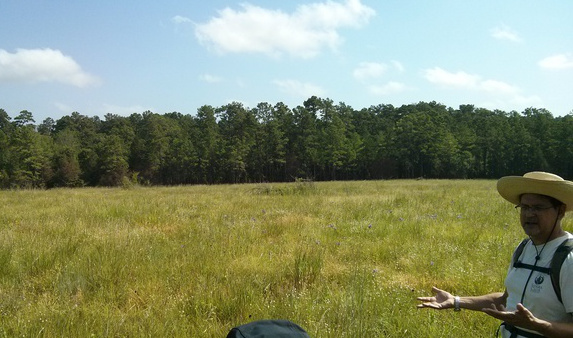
(123, 57)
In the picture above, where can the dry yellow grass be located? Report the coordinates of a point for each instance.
(342, 259)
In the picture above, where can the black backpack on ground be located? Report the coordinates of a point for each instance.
(268, 329)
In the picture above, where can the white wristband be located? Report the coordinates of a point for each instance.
(457, 303)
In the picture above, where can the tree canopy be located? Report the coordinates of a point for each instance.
(318, 140)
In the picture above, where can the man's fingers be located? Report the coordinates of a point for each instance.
(493, 309)
(520, 307)
(490, 308)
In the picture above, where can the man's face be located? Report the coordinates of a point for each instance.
(538, 216)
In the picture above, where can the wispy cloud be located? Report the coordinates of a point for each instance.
(370, 73)
(398, 65)
(499, 93)
(369, 70)
(505, 33)
(527, 101)
(465, 80)
(299, 89)
(303, 33)
(210, 78)
(557, 62)
(387, 89)
(499, 87)
(178, 19)
(42, 65)
(64, 108)
(516, 102)
(124, 110)
(374, 70)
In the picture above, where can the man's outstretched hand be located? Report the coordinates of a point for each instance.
(442, 300)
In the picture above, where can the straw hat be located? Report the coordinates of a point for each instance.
(537, 182)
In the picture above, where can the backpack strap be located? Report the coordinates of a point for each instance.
(518, 252)
(559, 257)
(518, 264)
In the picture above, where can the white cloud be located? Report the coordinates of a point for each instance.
(210, 78)
(440, 76)
(517, 103)
(369, 70)
(42, 65)
(369, 74)
(505, 33)
(387, 89)
(299, 89)
(557, 62)
(500, 95)
(303, 33)
(499, 87)
(469, 81)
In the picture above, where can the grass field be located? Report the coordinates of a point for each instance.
(341, 259)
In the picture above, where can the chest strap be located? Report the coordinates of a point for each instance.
(519, 264)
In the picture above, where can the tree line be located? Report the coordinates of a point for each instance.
(318, 140)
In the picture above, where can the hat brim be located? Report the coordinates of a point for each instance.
(512, 187)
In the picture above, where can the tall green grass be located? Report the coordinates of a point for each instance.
(341, 259)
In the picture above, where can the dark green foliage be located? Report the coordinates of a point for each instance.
(237, 128)
(319, 140)
(67, 171)
(27, 155)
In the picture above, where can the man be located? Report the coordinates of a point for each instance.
(529, 307)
